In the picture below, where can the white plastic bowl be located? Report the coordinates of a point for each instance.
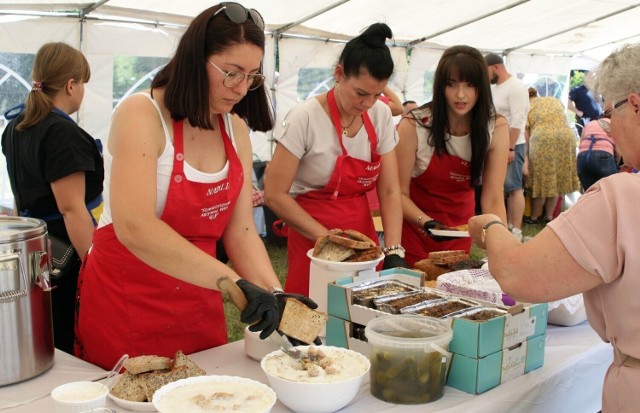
(208, 385)
(317, 397)
(79, 396)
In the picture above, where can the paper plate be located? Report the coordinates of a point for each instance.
(344, 266)
(449, 233)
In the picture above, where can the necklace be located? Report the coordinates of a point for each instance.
(345, 129)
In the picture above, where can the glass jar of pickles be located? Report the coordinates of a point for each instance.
(409, 358)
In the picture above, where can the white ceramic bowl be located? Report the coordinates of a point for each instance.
(343, 266)
(316, 394)
(247, 396)
(79, 396)
(256, 348)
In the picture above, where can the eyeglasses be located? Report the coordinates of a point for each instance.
(233, 79)
(607, 113)
(237, 13)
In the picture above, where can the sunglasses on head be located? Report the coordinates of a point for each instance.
(238, 14)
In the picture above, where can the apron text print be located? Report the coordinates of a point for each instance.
(212, 212)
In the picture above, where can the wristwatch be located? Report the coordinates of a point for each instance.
(394, 250)
(487, 226)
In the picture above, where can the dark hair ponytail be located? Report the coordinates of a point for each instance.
(369, 51)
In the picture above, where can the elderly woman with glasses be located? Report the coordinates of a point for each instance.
(592, 247)
(178, 178)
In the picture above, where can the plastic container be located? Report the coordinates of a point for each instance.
(409, 358)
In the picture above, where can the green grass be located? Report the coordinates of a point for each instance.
(278, 256)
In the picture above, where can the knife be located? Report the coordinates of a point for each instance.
(239, 300)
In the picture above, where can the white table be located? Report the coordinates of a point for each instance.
(570, 381)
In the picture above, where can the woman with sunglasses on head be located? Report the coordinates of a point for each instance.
(331, 150)
(178, 165)
(447, 147)
(592, 247)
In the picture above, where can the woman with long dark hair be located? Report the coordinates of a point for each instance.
(447, 147)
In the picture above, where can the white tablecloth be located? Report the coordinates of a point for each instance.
(570, 381)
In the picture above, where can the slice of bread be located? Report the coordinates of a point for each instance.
(129, 387)
(321, 242)
(153, 381)
(143, 364)
(346, 240)
(357, 235)
(335, 252)
(181, 359)
(366, 255)
(447, 257)
(301, 322)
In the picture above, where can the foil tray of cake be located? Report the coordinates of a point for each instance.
(364, 293)
(395, 302)
(481, 314)
(443, 308)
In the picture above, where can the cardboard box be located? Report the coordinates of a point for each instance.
(479, 339)
(477, 375)
(341, 333)
(470, 338)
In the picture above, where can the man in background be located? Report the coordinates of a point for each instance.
(511, 99)
(584, 105)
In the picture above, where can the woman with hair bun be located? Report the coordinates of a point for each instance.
(331, 150)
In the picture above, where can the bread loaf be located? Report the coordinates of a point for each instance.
(301, 322)
(431, 270)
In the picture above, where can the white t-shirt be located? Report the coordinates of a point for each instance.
(308, 133)
(459, 146)
(511, 99)
(165, 166)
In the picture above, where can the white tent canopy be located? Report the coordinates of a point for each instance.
(542, 37)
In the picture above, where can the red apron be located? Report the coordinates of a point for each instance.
(342, 203)
(126, 306)
(444, 193)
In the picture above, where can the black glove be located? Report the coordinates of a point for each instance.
(433, 224)
(281, 296)
(262, 309)
(394, 261)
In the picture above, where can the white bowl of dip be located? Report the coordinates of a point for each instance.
(214, 393)
(323, 392)
(79, 396)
